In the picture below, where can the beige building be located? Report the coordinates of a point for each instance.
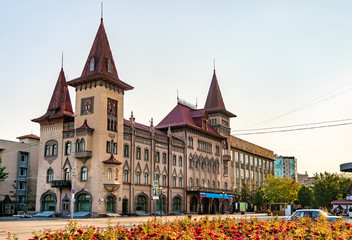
(21, 161)
(109, 164)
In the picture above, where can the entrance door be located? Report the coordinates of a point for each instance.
(125, 206)
(65, 207)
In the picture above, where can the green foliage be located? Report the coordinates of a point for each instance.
(329, 187)
(245, 193)
(259, 197)
(3, 174)
(306, 196)
(280, 190)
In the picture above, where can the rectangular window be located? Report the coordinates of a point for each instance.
(157, 157)
(236, 157)
(112, 107)
(247, 174)
(164, 157)
(237, 173)
(23, 172)
(108, 147)
(126, 151)
(255, 162)
(241, 157)
(251, 160)
(180, 161)
(242, 173)
(22, 186)
(87, 105)
(138, 153)
(246, 159)
(115, 148)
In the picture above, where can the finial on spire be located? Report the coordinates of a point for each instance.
(101, 17)
(177, 96)
(214, 63)
(196, 102)
(62, 60)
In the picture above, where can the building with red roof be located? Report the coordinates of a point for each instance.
(95, 162)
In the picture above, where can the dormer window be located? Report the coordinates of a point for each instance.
(110, 65)
(91, 65)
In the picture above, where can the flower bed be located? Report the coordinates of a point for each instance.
(219, 228)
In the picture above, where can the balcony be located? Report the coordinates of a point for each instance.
(83, 155)
(111, 187)
(61, 184)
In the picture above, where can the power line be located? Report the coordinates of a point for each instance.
(289, 126)
(296, 129)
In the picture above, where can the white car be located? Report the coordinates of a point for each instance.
(314, 214)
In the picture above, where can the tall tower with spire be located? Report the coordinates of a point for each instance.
(219, 117)
(99, 106)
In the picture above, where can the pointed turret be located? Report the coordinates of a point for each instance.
(100, 64)
(214, 102)
(60, 107)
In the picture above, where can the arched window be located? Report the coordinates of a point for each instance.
(157, 157)
(164, 157)
(218, 184)
(138, 177)
(138, 154)
(49, 175)
(83, 147)
(125, 175)
(126, 150)
(157, 176)
(174, 181)
(114, 149)
(145, 178)
(141, 203)
(110, 204)
(67, 174)
(180, 181)
(47, 150)
(176, 204)
(196, 164)
(225, 185)
(109, 174)
(197, 182)
(68, 148)
(146, 154)
(84, 174)
(77, 145)
(84, 202)
(193, 204)
(180, 161)
(191, 182)
(190, 162)
(54, 150)
(91, 65)
(49, 203)
(174, 160)
(164, 180)
(108, 150)
(202, 165)
(115, 125)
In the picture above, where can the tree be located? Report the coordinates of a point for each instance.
(3, 174)
(280, 190)
(329, 187)
(245, 193)
(259, 197)
(305, 196)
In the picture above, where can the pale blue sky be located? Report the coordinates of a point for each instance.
(271, 57)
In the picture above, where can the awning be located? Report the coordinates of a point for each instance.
(44, 214)
(216, 195)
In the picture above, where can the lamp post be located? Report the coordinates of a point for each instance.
(73, 168)
(222, 209)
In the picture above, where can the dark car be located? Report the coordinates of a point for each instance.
(314, 214)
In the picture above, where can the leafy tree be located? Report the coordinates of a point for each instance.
(245, 193)
(278, 190)
(3, 174)
(305, 196)
(259, 197)
(329, 187)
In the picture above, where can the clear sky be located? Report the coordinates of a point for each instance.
(278, 63)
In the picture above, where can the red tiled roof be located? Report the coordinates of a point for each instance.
(143, 127)
(29, 136)
(214, 102)
(183, 116)
(101, 54)
(85, 126)
(60, 103)
(112, 160)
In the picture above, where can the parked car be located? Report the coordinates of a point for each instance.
(314, 214)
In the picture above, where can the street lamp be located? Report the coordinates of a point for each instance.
(74, 168)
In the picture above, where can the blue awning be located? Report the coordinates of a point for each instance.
(216, 195)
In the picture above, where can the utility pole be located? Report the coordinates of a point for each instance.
(74, 168)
